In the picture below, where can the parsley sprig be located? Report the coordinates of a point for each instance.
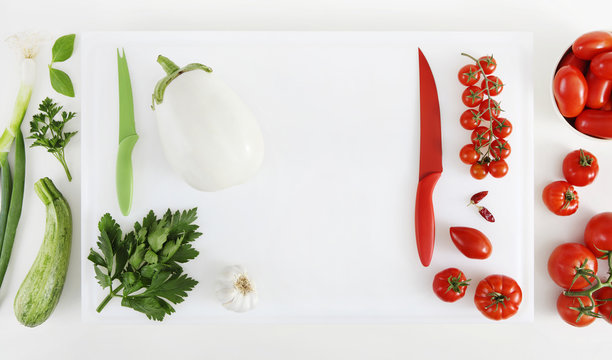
(49, 133)
(145, 263)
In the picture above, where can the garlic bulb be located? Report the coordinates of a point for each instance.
(235, 290)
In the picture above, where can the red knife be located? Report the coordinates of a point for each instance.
(430, 166)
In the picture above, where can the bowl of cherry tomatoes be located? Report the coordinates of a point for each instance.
(582, 85)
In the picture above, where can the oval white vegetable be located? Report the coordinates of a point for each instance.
(208, 134)
(235, 290)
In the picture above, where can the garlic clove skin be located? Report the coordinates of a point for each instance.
(235, 290)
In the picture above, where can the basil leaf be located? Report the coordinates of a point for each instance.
(61, 82)
(62, 49)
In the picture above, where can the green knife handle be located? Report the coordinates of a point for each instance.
(125, 182)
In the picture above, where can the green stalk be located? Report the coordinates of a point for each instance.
(14, 212)
(108, 298)
(21, 105)
(6, 186)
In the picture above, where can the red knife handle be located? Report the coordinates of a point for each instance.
(425, 223)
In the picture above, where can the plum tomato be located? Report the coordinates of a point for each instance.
(468, 154)
(470, 119)
(603, 298)
(561, 198)
(450, 284)
(572, 266)
(469, 75)
(483, 109)
(472, 96)
(576, 310)
(487, 63)
(601, 65)
(498, 168)
(500, 149)
(595, 123)
(471, 242)
(479, 171)
(502, 127)
(580, 167)
(570, 90)
(494, 85)
(481, 136)
(599, 91)
(598, 234)
(498, 297)
(570, 59)
(592, 43)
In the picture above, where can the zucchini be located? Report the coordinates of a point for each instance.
(41, 289)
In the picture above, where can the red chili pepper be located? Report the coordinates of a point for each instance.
(486, 214)
(478, 196)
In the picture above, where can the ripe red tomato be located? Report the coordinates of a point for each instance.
(470, 119)
(572, 266)
(469, 75)
(450, 284)
(483, 109)
(494, 85)
(601, 65)
(585, 315)
(498, 168)
(580, 168)
(472, 96)
(500, 149)
(479, 171)
(570, 59)
(595, 123)
(570, 90)
(560, 198)
(591, 44)
(498, 297)
(468, 154)
(481, 136)
(598, 234)
(471, 242)
(603, 298)
(599, 91)
(502, 127)
(607, 106)
(487, 63)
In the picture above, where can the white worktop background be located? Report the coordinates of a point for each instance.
(555, 25)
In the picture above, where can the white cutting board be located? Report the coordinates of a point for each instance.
(326, 228)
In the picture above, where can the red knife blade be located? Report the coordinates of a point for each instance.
(430, 164)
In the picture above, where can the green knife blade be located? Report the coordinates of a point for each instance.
(127, 137)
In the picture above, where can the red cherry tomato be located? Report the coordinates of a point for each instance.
(470, 119)
(481, 136)
(595, 123)
(498, 297)
(580, 168)
(500, 149)
(560, 198)
(483, 109)
(598, 234)
(572, 266)
(570, 59)
(502, 127)
(469, 75)
(601, 65)
(599, 91)
(487, 63)
(570, 90)
(472, 96)
(498, 168)
(450, 284)
(479, 171)
(603, 298)
(468, 154)
(567, 305)
(494, 85)
(591, 44)
(471, 242)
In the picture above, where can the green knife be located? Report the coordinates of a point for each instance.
(127, 137)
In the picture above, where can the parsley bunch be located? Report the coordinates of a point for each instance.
(145, 263)
(49, 133)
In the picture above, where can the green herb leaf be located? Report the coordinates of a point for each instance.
(63, 48)
(60, 81)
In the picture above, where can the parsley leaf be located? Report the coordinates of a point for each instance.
(49, 133)
(145, 262)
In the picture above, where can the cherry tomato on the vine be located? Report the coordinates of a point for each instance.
(498, 297)
(481, 136)
(576, 310)
(469, 75)
(495, 85)
(580, 167)
(479, 171)
(502, 127)
(560, 198)
(472, 96)
(484, 106)
(498, 168)
(488, 64)
(468, 154)
(572, 266)
(603, 298)
(470, 119)
(500, 149)
(450, 284)
(598, 234)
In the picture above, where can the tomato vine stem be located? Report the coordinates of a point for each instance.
(590, 291)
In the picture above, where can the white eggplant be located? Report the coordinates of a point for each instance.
(209, 135)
